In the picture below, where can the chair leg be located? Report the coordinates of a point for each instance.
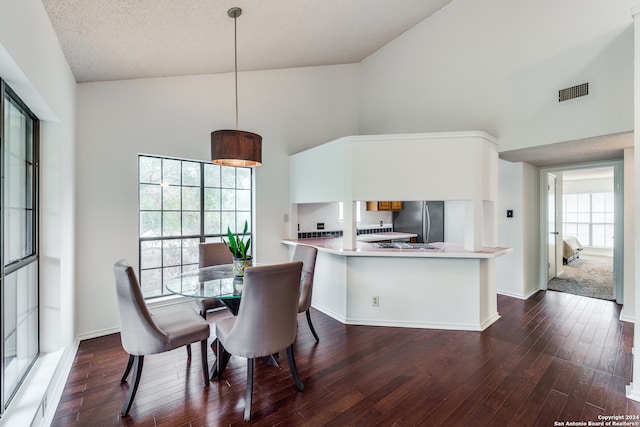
(313, 331)
(188, 351)
(205, 362)
(247, 406)
(127, 370)
(137, 373)
(222, 358)
(219, 359)
(294, 369)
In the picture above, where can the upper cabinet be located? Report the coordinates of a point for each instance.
(384, 206)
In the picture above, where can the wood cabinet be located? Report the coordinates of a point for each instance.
(384, 206)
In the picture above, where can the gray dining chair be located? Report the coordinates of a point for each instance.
(266, 322)
(306, 254)
(143, 333)
(211, 254)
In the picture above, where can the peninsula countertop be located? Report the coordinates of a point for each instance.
(334, 245)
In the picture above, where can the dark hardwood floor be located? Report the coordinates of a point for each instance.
(553, 357)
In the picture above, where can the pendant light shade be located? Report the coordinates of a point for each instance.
(236, 147)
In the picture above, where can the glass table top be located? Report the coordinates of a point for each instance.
(207, 282)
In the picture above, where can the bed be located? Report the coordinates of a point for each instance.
(571, 248)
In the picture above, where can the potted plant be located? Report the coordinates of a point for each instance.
(239, 248)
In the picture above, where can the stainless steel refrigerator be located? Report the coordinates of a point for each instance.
(424, 218)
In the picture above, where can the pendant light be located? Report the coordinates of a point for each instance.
(236, 147)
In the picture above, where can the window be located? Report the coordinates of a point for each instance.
(19, 232)
(341, 211)
(590, 218)
(183, 203)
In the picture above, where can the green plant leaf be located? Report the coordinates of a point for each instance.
(237, 245)
(233, 247)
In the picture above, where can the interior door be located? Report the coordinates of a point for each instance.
(552, 227)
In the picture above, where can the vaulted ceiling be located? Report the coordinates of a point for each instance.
(129, 39)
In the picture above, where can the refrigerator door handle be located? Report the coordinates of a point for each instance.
(426, 223)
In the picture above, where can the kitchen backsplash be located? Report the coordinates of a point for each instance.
(323, 219)
(385, 228)
(362, 229)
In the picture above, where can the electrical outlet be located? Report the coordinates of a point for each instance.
(375, 301)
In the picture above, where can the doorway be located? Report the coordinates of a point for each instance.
(584, 223)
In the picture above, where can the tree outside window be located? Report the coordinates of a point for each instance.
(183, 203)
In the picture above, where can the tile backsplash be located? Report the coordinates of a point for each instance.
(386, 228)
(316, 234)
(368, 229)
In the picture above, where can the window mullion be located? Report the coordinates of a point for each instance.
(202, 190)
(177, 250)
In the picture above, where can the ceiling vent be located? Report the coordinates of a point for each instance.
(573, 92)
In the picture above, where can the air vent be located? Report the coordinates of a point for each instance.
(573, 92)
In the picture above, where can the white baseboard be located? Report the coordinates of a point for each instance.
(407, 324)
(624, 317)
(100, 333)
(632, 393)
(521, 296)
(330, 313)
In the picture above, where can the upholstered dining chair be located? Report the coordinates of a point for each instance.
(211, 254)
(143, 333)
(266, 322)
(306, 254)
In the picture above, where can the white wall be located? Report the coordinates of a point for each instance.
(310, 214)
(496, 66)
(629, 268)
(487, 66)
(530, 229)
(517, 273)
(32, 63)
(510, 267)
(633, 391)
(292, 109)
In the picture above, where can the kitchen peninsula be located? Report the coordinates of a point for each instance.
(444, 288)
(450, 287)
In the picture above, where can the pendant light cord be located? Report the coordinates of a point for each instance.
(235, 55)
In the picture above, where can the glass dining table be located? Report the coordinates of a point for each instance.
(215, 281)
(212, 282)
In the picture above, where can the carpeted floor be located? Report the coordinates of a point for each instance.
(589, 276)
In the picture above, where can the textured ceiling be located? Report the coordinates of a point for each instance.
(129, 39)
